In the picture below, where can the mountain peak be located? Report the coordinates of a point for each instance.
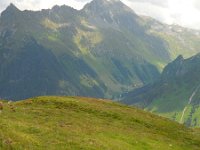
(63, 10)
(12, 7)
(179, 58)
(9, 14)
(62, 7)
(98, 6)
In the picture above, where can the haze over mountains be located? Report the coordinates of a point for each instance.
(103, 50)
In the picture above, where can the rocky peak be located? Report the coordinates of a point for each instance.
(9, 15)
(11, 8)
(100, 6)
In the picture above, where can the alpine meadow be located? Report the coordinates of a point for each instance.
(99, 75)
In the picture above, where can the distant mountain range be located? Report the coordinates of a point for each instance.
(175, 95)
(103, 50)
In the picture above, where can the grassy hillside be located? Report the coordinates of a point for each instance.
(85, 123)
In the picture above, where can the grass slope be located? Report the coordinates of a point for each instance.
(86, 123)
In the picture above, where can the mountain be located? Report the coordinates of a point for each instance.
(87, 123)
(59, 52)
(175, 95)
(103, 50)
(179, 40)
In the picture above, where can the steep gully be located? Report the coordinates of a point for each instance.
(189, 102)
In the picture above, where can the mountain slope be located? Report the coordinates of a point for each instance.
(176, 94)
(88, 61)
(103, 50)
(85, 123)
(179, 40)
(31, 55)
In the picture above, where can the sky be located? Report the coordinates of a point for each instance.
(182, 12)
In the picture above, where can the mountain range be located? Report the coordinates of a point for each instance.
(103, 50)
(175, 95)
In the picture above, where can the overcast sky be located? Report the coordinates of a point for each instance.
(182, 12)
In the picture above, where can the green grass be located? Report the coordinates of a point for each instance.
(172, 106)
(175, 101)
(86, 123)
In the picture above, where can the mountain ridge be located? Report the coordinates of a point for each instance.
(175, 95)
(89, 51)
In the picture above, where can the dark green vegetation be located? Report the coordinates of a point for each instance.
(85, 123)
(102, 50)
(176, 95)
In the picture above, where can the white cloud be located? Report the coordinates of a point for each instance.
(182, 12)
(149, 9)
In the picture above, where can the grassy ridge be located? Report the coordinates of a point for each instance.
(85, 123)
